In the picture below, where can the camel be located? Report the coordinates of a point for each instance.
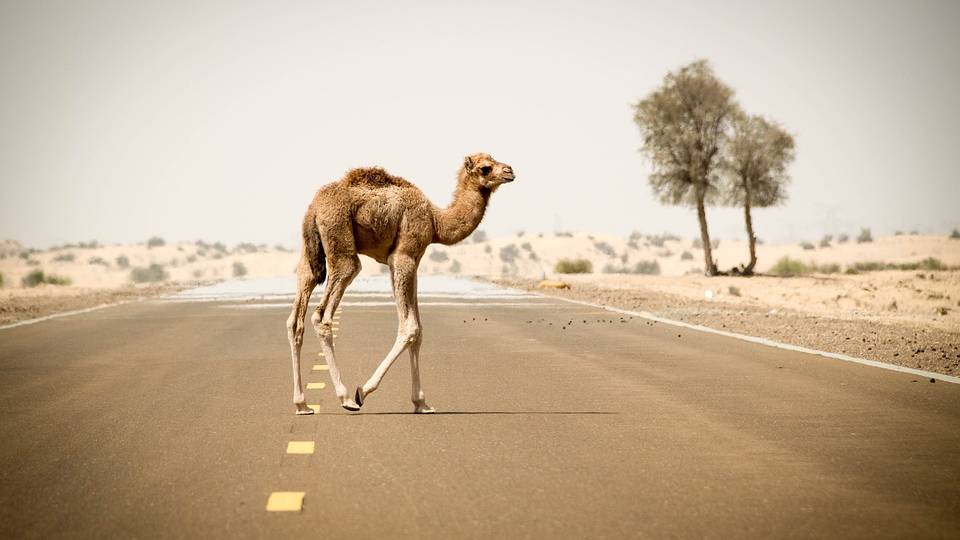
(371, 212)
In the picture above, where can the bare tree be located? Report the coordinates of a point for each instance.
(684, 125)
(758, 154)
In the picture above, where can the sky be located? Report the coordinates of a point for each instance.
(219, 120)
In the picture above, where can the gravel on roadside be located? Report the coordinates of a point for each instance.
(899, 343)
(24, 304)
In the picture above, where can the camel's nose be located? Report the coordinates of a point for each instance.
(508, 172)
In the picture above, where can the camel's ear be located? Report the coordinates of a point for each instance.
(468, 164)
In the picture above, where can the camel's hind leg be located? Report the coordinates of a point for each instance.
(419, 401)
(342, 268)
(306, 282)
(404, 273)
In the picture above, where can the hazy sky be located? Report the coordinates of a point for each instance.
(219, 120)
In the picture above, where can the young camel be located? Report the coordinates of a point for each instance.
(374, 213)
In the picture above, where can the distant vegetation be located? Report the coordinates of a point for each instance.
(641, 267)
(156, 241)
(605, 248)
(955, 235)
(508, 253)
(239, 269)
(807, 245)
(37, 277)
(1, 280)
(65, 257)
(439, 256)
(478, 236)
(455, 267)
(686, 256)
(150, 274)
(843, 238)
(825, 241)
(787, 267)
(573, 266)
(865, 236)
(122, 262)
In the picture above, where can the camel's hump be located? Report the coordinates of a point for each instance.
(373, 177)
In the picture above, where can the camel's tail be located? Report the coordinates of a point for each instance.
(313, 248)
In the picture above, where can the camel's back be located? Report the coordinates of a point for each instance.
(372, 178)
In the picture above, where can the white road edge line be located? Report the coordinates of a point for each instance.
(63, 314)
(767, 342)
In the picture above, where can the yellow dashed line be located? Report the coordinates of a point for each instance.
(285, 501)
(314, 406)
(316, 386)
(300, 447)
(321, 367)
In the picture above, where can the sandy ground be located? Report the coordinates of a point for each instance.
(21, 304)
(800, 310)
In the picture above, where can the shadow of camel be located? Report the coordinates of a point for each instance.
(438, 413)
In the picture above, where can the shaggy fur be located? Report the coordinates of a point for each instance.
(371, 212)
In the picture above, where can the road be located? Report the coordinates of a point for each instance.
(172, 418)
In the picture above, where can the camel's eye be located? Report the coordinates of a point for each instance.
(485, 170)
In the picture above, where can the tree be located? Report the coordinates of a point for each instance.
(758, 154)
(684, 126)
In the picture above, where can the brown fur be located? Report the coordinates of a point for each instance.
(371, 212)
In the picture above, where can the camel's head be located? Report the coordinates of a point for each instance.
(486, 171)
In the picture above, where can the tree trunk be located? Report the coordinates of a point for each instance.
(748, 271)
(709, 267)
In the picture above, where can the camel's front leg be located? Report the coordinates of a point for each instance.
(404, 270)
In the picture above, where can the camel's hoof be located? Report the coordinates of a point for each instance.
(358, 396)
(423, 408)
(302, 409)
(350, 405)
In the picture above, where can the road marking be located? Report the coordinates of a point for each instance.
(764, 341)
(320, 353)
(300, 447)
(285, 501)
(64, 314)
(314, 406)
(321, 367)
(316, 385)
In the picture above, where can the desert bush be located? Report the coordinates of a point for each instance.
(280, 247)
(217, 255)
(843, 238)
(455, 267)
(605, 248)
(239, 269)
(825, 241)
(38, 277)
(191, 259)
(647, 267)
(33, 262)
(156, 241)
(807, 245)
(246, 247)
(33, 279)
(487, 249)
(218, 246)
(53, 279)
(521, 233)
(697, 244)
(830, 268)
(122, 261)
(573, 266)
(198, 273)
(867, 266)
(686, 256)
(665, 253)
(656, 241)
(439, 256)
(715, 243)
(1, 280)
(787, 267)
(65, 257)
(509, 253)
(632, 244)
(478, 236)
(533, 256)
(98, 260)
(150, 274)
(93, 244)
(865, 236)
(734, 291)
(898, 233)
(526, 246)
(955, 235)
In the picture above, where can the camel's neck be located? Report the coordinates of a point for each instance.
(457, 221)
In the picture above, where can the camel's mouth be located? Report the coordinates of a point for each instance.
(506, 179)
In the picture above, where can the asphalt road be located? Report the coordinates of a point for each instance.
(171, 419)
